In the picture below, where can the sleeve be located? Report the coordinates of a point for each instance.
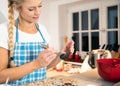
(3, 36)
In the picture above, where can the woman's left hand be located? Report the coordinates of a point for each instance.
(69, 47)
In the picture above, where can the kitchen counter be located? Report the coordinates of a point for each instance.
(86, 78)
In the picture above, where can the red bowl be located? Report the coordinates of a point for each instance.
(109, 69)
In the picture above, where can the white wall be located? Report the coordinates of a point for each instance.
(2, 17)
(3, 8)
(54, 22)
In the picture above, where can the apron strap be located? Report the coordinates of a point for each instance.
(17, 34)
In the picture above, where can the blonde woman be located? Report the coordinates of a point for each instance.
(22, 59)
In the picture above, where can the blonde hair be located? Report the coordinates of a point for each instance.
(11, 22)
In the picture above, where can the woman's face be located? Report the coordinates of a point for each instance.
(30, 10)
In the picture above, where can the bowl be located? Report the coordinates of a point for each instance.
(109, 69)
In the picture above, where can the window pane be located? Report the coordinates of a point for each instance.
(95, 19)
(85, 20)
(112, 17)
(95, 40)
(112, 37)
(75, 21)
(76, 40)
(85, 45)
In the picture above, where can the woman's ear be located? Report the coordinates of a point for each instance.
(15, 7)
(16, 10)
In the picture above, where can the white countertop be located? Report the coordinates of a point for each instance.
(89, 77)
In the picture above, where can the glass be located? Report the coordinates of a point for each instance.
(95, 40)
(85, 45)
(76, 40)
(75, 21)
(112, 17)
(112, 37)
(95, 19)
(84, 23)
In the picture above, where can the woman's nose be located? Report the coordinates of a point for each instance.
(37, 11)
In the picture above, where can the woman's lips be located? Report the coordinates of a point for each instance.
(36, 17)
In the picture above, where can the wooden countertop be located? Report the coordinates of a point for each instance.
(89, 77)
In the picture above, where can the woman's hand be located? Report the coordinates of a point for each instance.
(69, 47)
(45, 57)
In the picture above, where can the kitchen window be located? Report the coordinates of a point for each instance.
(95, 25)
(86, 32)
(112, 24)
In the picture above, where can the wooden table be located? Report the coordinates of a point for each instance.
(86, 78)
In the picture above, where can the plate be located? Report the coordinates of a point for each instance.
(74, 63)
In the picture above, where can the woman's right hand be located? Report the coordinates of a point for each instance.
(45, 58)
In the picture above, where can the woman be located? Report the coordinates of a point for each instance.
(20, 42)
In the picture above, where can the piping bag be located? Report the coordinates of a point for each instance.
(62, 56)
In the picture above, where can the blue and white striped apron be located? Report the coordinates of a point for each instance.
(25, 52)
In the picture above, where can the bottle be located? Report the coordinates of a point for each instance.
(70, 57)
(77, 56)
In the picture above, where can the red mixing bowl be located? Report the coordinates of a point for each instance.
(109, 69)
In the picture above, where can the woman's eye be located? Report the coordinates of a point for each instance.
(40, 6)
(31, 9)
